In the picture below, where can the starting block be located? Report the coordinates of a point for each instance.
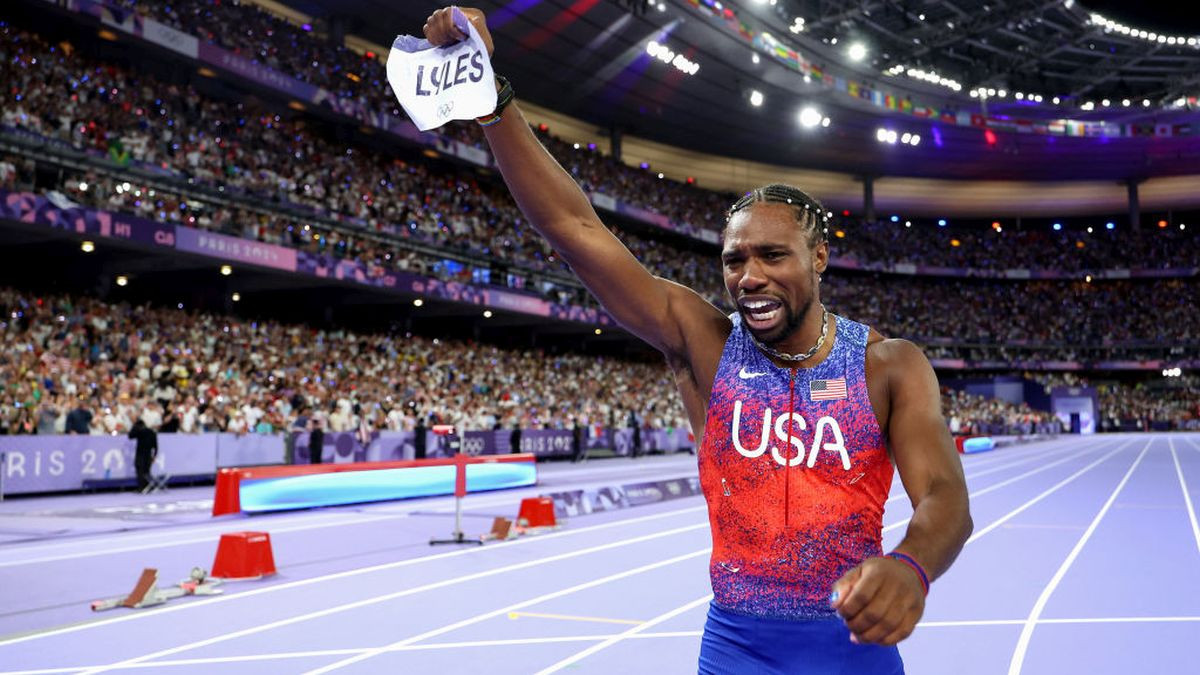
(244, 555)
(146, 592)
(536, 515)
(502, 528)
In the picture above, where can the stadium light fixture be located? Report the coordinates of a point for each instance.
(236, 297)
(226, 270)
(1057, 227)
(941, 222)
(1110, 225)
(487, 313)
(598, 331)
(122, 280)
(1089, 230)
(756, 98)
(88, 246)
(418, 302)
(810, 117)
(915, 140)
(895, 219)
(857, 51)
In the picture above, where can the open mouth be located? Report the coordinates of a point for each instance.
(761, 312)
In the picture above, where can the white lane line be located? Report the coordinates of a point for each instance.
(1049, 491)
(1187, 497)
(349, 573)
(579, 656)
(411, 591)
(99, 549)
(1018, 658)
(276, 656)
(994, 469)
(162, 536)
(1003, 483)
(504, 610)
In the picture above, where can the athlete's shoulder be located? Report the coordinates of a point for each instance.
(895, 355)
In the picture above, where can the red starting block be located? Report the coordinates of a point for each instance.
(244, 554)
(536, 512)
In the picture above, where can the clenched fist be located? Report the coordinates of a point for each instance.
(440, 29)
(881, 601)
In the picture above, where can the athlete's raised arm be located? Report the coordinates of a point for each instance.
(654, 309)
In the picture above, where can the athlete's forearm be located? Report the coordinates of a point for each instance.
(546, 193)
(940, 526)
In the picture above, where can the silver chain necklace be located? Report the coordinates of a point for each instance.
(796, 358)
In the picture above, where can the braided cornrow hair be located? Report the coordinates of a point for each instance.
(809, 212)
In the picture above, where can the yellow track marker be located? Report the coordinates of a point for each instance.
(565, 617)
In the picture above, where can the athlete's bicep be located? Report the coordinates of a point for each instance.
(921, 444)
(654, 309)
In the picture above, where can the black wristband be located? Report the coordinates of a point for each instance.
(503, 98)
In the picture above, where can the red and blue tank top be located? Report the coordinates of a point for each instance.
(795, 471)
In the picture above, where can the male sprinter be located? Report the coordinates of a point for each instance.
(802, 412)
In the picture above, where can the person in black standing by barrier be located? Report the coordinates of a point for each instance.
(635, 423)
(514, 439)
(316, 439)
(576, 441)
(419, 438)
(144, 453)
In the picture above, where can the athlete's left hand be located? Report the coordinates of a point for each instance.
(881, 601)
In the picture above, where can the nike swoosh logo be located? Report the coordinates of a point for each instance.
(746, 376)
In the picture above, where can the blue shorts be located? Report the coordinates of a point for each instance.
(735, 644)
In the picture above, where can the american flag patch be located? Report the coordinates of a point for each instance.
(828, 390)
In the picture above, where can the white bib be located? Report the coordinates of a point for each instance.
(438, 84)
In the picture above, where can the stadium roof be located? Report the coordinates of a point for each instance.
(949, 71)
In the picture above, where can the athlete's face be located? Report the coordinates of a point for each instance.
(771, 270)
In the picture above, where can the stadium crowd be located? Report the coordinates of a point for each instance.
(78, 364)
(973, 415)
(203, 372)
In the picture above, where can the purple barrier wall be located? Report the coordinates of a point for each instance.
(248, 449)
(56, 463)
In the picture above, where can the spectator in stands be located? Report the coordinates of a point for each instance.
(79, 420)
